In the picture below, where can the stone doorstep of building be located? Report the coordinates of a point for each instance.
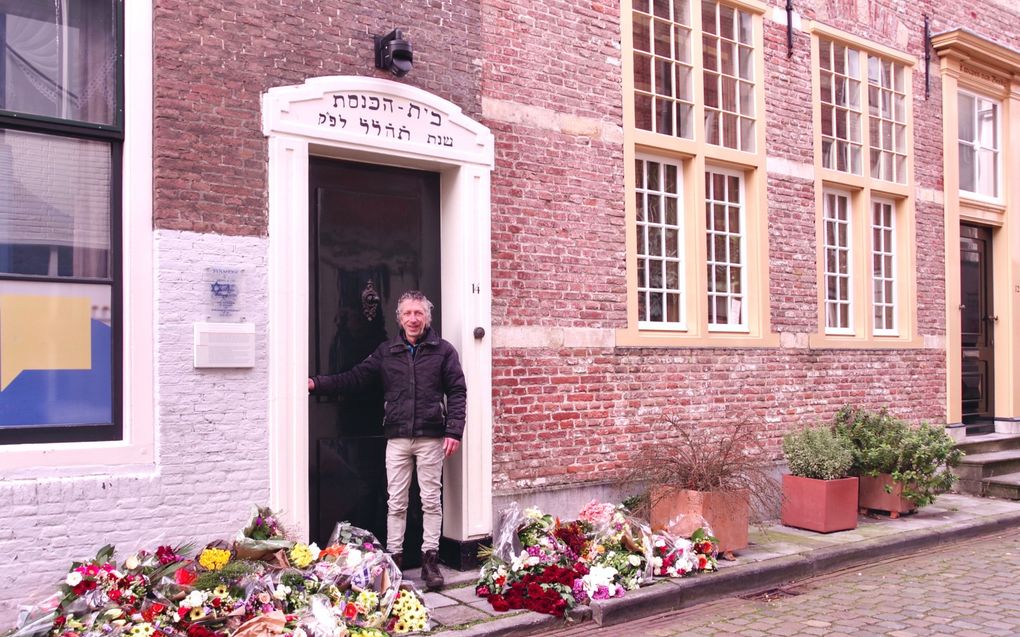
(777, 556)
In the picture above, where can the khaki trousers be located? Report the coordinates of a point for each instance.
(402, 454)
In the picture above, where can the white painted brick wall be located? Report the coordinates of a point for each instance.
(212, 456)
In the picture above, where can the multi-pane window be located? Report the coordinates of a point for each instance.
(887, 120)
(663, 68)
(60, 143)
(660, 243)
(883, 265)
(840, 84)
(838, 279)
(979, 145)
(677, 130)
(728, 63)
(865, 204)
(726, 260)
(846, 110)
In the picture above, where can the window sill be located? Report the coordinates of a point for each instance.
(839, 341)
(663, 338)
(73, 460)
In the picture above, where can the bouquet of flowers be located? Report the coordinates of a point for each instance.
(262, 536)
(540, 576)
(676, 557)
(548, 566)
(343, 589)
(620, 544)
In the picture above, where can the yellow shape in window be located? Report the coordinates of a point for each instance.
(44, 333)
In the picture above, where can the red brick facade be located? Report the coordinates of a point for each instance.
(563, 416)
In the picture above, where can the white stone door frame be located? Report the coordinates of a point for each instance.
(378, 121)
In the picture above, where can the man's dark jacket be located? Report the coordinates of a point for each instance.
(413, 387)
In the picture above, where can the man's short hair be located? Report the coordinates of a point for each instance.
(415, 295)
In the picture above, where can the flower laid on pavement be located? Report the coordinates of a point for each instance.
(213, 559)
(602, 554)
(349, 588)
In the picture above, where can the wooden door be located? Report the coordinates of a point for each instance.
(977, 324)
(374, 234)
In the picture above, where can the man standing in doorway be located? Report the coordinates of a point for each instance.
(417, 370)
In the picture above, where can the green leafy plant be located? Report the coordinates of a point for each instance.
(875, 438)
(920, 458)
(819, 453)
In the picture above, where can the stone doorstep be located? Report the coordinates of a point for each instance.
(1003, 486)
(452, 578)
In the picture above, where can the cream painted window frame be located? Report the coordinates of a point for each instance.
(695, 154)
(863, 190)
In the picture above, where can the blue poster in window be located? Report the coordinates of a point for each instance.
(55, 355)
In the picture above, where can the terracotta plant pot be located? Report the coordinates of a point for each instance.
(727, 513)
(873, 495)
(819, 505)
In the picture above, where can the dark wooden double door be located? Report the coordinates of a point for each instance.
(977, 328)
(374, 234)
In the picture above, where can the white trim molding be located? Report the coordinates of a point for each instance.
(379, 121)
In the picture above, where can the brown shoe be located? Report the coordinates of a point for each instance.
(430, 571)
(398, 559)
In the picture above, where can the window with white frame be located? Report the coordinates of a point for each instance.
(979, 144)
(663, 67)
(839, 77)
(660, 243)
(838, 278)
(726, 260)
(887, 119)
(883, 265)
(728, 63)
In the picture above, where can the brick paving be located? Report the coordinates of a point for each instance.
(968, 588)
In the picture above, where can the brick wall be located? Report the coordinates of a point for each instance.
(568, 416)
(213, 61)
(576, 418)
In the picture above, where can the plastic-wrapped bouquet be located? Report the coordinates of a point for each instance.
(348, 588)
(677, 556)
(548, 566)
(262, 536)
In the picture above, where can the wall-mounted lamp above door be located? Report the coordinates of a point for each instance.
(393, 53)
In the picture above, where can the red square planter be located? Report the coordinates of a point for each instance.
(726, 512)
(873, 495)
(819, 505)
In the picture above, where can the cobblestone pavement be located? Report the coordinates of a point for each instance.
(967, 589)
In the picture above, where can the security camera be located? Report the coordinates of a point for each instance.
(393, 53)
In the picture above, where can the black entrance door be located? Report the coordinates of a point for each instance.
(374, 234)
(977, 325)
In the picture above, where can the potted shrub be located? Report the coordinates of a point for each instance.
(819, 494)
(900, 467)
(701, 474)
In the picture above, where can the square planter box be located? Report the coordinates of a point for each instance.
(726, 512)
(873, 495)
(819, 505)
